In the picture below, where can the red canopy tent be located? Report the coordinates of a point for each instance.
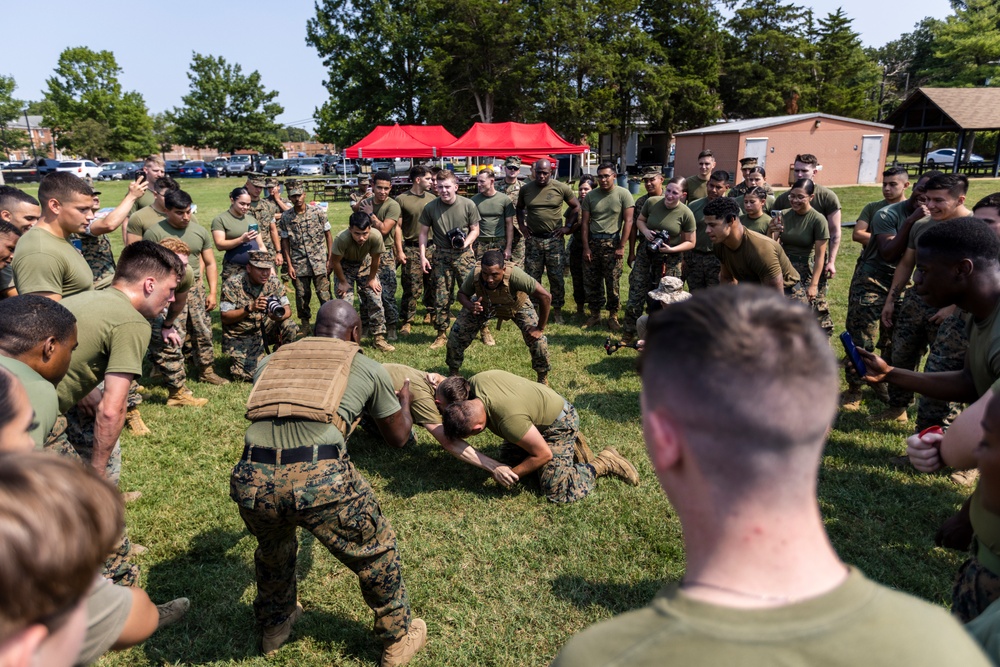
(503, 139)
(401, 141)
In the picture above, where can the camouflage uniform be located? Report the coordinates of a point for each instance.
(230, 269)
(743, 188)
(468, 324)
(517, 247)
(547, 255)
(449, 266)
(701, 269)
(869, 290)
(371, 310)
(97, 251)
(975, 588)
(264, 211)
(191, 324)
(387, 274)
(306, 234)
(416, 284)
(947, 353)
(646, 273)
(562, 480)
(819, 305)
(602, 275)
(244, 341)
(574, 255)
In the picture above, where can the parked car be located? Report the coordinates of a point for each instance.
(198, 169)
(309, 166)
(81, 168)
(384, 165)
(222, 165)
(239, 164)
(32, 170)
(343, 168)
(276, 167)
(173, 167)
(946, 156)
(116, 171)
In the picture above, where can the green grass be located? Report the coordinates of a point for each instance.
(502, 577)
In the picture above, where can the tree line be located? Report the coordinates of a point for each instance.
(587, 67)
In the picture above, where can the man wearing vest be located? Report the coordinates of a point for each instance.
(295, 472)
(501, 290)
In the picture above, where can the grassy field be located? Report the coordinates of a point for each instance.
(501, 577)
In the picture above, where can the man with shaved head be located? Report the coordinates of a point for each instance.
(295, 472)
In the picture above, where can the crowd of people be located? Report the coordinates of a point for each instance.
(740, 468)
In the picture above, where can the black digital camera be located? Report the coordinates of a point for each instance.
(456, 237)
(274, 308)
(659, 238)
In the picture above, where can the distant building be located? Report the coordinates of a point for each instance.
(42, 137)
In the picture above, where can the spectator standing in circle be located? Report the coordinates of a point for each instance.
(236, 234)
(605, 225)
(575, 247)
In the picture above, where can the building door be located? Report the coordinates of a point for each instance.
(756, 148)
(871, 154)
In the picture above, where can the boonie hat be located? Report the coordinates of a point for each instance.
(670, 290)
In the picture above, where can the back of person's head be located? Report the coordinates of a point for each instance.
(61, 186)
(417, 171)
(29, 319)
(176, 246)
(11, 197)
(177, 200)
(58, 522)
(962, 238)
(458, 419)
(956, 184)
(720, 176)
(453, 389)
(359, 220)
(493, 258)
(750, 382)
(143, 259)
(166, 184)
(807, 158)
(724, 208)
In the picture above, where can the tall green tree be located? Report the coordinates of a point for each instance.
(968, 42)
(374, 55)
(10, 110)
(847, 78)
(226, 109)
(289, 133)
(85, 86)
(164, 132)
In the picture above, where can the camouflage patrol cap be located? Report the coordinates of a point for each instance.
(651, 172)
(271, 182)
(294, 187)
(748, 162)
(512, 161)
(255, 179)
(260, 259)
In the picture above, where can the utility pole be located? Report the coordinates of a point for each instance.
(28, 124)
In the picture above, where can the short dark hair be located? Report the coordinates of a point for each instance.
(446, 175)
(725, 208)
(492, 258)
(806, 184)
(416, 171)
(956, 184)
(146, 258)
(719, 175)
(608, 165)
(962, 238)
(759, 193)
(989, 201)
(896, 171)
(233, 194)
(28, 319)
(165, 184)
(706, 153)
(7, 228)
(359, 220)
(758, 170)
(457, 419)
(586, 178)
(177, 200)
(381, 176)
(11, 197)
(677, 180)
(7, 410)
(807, 158)
(61, 185)
(453, 389)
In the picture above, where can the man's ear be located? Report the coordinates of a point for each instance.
(20, 650)
(49, 348)
(663, 440)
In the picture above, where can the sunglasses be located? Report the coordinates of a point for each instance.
(511, 167)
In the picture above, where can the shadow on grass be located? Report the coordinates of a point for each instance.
(571, 337)
(613, 596)
(621, 363)
(620, 406)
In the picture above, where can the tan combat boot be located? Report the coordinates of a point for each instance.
(133, 420)
(592, 321)
(487, 337)
(402, 650)
(390, 334)
(850, 401)
(405, 330)
(613, 322)
(892, 414)
(171, 612)
(610, 462)
(440, 341)
(427, 318)
(277, 635)
(304, 328)
(557, 317)
(208, 376)
(182, 397)
(382, 345)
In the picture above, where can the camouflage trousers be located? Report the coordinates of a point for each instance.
(819, 305)
(416, 284)
(517, 248)
(303, 293)
(387, 278)
(230, 269)
(646, 273)
(371, 303)
(467, 326)
(245, 352)
(487, 243)
(334, 503)
(546, 255)
(602, 276)
(974, 589)
(574, 255)
(562, 480)
(947, 353)
(73, 436)
(449, 267)
(868, 292)
(195, 328)
(700, 270)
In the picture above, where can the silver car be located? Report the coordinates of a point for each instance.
(309, 166)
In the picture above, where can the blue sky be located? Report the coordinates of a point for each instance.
(154, 48)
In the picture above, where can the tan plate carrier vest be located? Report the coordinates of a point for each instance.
(304, 380)
(504, 303)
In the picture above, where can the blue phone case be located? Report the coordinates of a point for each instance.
(852, 354)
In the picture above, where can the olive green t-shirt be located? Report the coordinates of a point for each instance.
(701, 242)
(194, 235)
(410, 208)
(985, 524)
(143, 202)
(519, 282)
(802, 232)
(442, 218)
(494, 212)
(542, 205)
(674, 220)
(112, 338)
(758, 224)
(41, 395)
(607, 209)
(696, 188)
(983, 352)
(422, 407)
(758, 259)
(46, 263)
(867, 215)
(143, 219)
(345, 247)
(233, 227)
(857, 623)
(6, 278)
(369, 388)
(824, 200)
(387, 210)
(889, 221)
(515, 404)
(186, 283)
(916, 231)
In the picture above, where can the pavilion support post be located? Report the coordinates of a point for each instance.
(923, 153)
(996, 160)
(959, 148)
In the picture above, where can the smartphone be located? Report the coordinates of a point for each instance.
(253, 227)
(140, 176)
(852, 354)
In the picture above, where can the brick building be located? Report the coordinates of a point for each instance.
(42, 137)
